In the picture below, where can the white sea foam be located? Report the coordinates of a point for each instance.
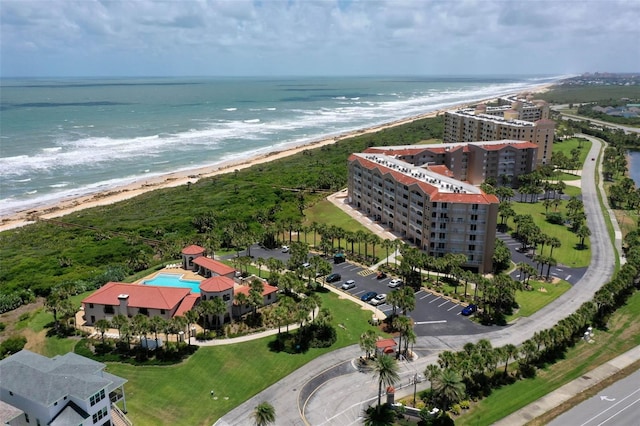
(59, 185)
(211, 141)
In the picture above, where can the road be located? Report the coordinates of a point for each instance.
(345, 396)
(619, 404)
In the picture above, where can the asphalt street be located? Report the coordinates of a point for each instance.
(344, 397)
(619, 404)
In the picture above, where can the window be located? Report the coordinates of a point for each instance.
(108, 309)
(96, 398)
(91, 305)
(472, 237)
(100, 415)
(226, 297)
(143, 311)
(473, 227)
(472, 247)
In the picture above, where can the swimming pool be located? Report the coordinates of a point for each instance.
(174, 280)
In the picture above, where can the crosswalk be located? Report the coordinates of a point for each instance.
(366, 272)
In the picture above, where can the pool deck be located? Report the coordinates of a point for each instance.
(184, 274)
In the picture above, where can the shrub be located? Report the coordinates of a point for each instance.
(555, 217)
(465, 404)
(2, 326)
(12, 345)
(455, 409)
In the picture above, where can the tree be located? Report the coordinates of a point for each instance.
(117, 322)
(384, 415)
(368, 342)
(102, 325)
(386, 370)
(191, 317)
(582, 233)
(449, 387)
(156, 323)
(264, 414)
(256, 298)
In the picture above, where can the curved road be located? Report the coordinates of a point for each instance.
(341, 399)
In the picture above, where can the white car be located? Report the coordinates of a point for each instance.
(378, 300)
(395, 283)
(285, 249)
(348, 285)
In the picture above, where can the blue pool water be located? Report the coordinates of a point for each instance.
(174, 280)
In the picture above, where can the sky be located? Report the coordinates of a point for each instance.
(317, 37)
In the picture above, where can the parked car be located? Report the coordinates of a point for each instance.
(348, 284)
(332, 278)
(285, 249)
(469, 310)
(378, 300)
(306, 264)
(368, 296)
(381, 275)
(395, 283)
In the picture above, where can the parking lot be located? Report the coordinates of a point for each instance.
(433, 315)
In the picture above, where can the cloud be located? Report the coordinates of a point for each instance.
(317, 36)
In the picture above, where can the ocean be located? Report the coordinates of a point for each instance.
(64, 138)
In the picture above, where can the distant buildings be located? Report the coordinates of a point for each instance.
(515, 119)
(60, 391)
(503, 160)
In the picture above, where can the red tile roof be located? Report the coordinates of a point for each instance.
(216, 284)
(193, 249)
(441, 169)
(187, 304)
(214, 266)
(140, 296)
(245, 289)
(385, 343)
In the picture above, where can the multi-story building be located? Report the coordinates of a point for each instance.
(494, 123)
(63, 390)
(472, 162)
(434, 211)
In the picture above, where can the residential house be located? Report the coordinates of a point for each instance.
(60, 391)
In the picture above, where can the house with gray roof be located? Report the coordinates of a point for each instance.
(64, 390)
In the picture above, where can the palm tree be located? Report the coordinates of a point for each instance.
(403, 325)
(509, 351)
(117, 322)
(383, 415)
(102, 325)
(156, 323)
(192, 317)
(386, 370)
(368, 342)
(264, 414)
(449, 387)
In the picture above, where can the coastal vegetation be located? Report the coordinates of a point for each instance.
(223, 212)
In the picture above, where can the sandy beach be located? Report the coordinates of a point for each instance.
(115, 195)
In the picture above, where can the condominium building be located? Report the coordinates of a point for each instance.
(426, 206)
(493, 123)
(473, 162)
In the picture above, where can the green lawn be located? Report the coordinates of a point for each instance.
(181, 393)
(568, 145)
(623, 334)
(531, 301)
(567, 254)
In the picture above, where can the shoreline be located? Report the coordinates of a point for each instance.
(169, 180)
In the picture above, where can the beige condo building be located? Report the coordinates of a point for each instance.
(517, 121)
(474, 162)
(426, 206)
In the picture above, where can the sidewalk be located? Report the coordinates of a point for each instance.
(571, 389)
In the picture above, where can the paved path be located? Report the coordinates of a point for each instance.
(347, 395)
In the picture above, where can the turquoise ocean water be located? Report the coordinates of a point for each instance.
(63, 138)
